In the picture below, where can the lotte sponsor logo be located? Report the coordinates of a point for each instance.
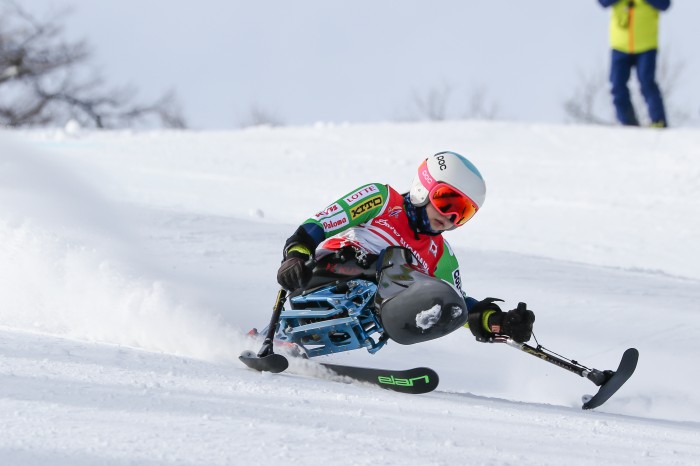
(361, 194)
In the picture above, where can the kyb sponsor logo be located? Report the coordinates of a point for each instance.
(336, 222)
(369, 204)
(330, 210)
(361, 194)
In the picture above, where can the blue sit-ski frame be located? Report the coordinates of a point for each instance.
(329, 321)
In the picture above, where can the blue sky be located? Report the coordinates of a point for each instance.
(361, 61)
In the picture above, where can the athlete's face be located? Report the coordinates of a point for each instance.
(438, 222)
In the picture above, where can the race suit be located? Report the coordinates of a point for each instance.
(372, 218)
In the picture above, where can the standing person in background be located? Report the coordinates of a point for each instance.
(634, 42)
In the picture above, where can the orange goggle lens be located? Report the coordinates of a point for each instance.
(450, 202)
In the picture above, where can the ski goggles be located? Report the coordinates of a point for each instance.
(452, 203)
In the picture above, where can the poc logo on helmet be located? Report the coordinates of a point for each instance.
(441, 162)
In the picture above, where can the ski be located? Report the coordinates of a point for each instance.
(413, 381)
(628, 364)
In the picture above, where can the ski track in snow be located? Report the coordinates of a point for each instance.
(133, 263)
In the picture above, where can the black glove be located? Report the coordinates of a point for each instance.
(486, 320)
(517, 323)
(293, 273)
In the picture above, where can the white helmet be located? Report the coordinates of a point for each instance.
(455, 171)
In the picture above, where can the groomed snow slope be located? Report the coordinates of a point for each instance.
(132, 264)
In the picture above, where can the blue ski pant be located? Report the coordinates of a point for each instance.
(620, 71)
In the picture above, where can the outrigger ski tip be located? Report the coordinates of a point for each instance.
(614, 381)
(608, 381)
(266, 360)
(269, 363)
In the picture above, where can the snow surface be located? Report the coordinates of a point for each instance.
(133, 264)
(429, 317)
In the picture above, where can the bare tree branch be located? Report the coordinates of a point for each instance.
(479, 107)
(260, 116)
(583, 106)
(40, 86)
(670, 75)
(433, 105)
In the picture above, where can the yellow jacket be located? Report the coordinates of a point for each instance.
(634, 26)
